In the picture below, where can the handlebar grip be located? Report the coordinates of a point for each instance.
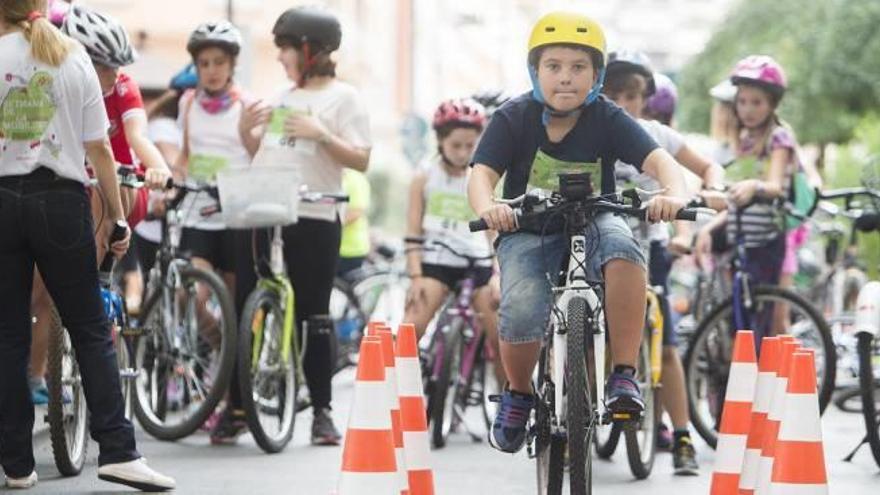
(119, 230)
(169, 183)
(686, 214)
(478, 225)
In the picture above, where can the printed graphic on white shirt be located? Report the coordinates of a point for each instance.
(28, 108)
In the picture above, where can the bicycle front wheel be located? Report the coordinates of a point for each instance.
(443, 393)
(869, 354)
(68, 415)
(579, 415)
(185, 354)
(707, 362)
(267, 371)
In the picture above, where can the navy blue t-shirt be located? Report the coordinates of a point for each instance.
(516, 144)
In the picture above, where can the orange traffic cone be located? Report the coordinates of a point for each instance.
(768, 365)
(368, 465)
(777, 407)
(384, 333)
(799, 466)
(736, 418)
(412, 413)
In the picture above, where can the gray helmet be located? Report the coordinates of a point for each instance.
(221, 34)
(103, 37)
(628, 61)
(317, 27)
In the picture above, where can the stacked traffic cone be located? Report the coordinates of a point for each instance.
(368, 465)
(799, 465)
(768, 365)
(412, 413)
(384, 333)
(736, 418)
(777, 407)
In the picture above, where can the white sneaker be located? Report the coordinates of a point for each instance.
(136, 474)
(22, 483)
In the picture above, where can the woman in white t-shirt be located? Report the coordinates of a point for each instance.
(51, 117)
(322, 127)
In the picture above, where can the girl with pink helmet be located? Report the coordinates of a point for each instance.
(767, 159)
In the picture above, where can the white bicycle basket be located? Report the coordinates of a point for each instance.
(262, 196)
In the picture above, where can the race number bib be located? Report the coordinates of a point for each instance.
(446, 211)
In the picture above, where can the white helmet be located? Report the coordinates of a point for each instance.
(221, 34)
(105, 39)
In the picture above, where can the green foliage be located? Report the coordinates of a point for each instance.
(828, 48)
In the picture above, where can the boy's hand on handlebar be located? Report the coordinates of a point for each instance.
(156, 178)
(664, 208)
(499, 217)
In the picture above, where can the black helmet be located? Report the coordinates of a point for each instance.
(311, 25)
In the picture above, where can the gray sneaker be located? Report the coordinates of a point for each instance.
(324, 432)
(684, 458)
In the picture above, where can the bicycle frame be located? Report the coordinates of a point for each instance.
(280, 284)
(576, 285)
(656, 323)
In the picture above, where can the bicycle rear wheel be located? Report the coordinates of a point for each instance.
(707, 362)
(269, 383)
(184, 371)
(580, 422)
(869, 354)
(641, 437)
(68, 415)
(348, 321)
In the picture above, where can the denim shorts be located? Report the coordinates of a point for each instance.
(526, 294)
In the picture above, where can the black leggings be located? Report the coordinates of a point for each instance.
(311, 252)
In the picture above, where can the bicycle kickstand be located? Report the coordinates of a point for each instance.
(852, 454)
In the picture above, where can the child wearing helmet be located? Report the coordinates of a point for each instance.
(321, 126)
(628, 82)
(210, 118)
(564, 123)
(107, 43)
(438, 211)
(763, 172)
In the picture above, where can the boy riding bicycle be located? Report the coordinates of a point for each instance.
(563, 124)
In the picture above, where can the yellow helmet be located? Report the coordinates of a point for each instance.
(570, 28)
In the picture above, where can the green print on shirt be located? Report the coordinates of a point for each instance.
(27, 111)
(744, 168)
(449, 206)
(546, 169)
(205, 167)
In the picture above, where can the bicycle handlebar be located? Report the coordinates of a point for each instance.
(603, 205)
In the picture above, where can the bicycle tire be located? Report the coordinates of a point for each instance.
(271, 442)
(69, 446)
(451, 349)
(706, 427)
(489, 382)
(153, 421)
(549, 448)
(640, 454)
(867, 388)
(579, 423)
(849, 400)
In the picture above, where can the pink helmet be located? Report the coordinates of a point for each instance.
(56, 11)
(761, 70)
(459, 113)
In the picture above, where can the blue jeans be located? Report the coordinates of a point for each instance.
(47, 221)
(526, 295)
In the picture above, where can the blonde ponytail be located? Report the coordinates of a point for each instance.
(48, 44)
